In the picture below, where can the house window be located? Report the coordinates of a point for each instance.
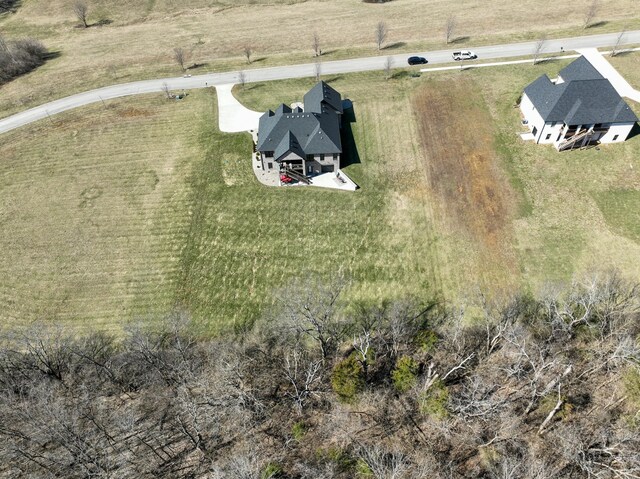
(535, 130)
(615, 137)
(548, 136)
(268, 154)
(321, 156)
(309, 157)
(270, 165)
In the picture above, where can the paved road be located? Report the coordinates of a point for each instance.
(300, 71)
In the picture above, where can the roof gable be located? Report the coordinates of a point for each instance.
(580, 69)
(321, 96)
(288, 144)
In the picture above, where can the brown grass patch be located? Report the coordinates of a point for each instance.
(463, 173)
(132, 112)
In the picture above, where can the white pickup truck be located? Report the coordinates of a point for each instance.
(464, 55)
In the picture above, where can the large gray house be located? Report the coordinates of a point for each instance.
(579, 107)
(306, 139)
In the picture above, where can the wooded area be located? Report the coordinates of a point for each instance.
(528, 387)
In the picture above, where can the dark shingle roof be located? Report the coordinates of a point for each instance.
(582, 101)
(580, 69)
(302, 132)
(320, 96)
(316, 133)
(288, 144)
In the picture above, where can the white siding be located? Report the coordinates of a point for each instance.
(550, 130)
(620, 129)
(532, 116)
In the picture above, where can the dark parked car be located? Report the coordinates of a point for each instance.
(417, 60)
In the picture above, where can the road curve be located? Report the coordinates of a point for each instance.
(304, 70)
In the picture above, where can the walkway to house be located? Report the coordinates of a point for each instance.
(337, 181)
(606, 70)
(233, 117)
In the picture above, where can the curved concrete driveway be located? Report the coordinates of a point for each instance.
(233, 116)
(301, 71)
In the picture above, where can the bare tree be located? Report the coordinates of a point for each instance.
(304, 376)
(590, 13)
(310, 311)
(381, 34)
(388, 64)
(179, 56)
(242, 78)
(315, 44)
(616, 47)
(81, 11)
(165, 89)
(247, 53)
(318, 70)
(382, 464)
(538, 49)
(450, 28)
(362, 346)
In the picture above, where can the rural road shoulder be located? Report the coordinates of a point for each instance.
(301, 71)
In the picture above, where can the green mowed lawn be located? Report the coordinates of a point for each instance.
(110, 215)
(94, 208)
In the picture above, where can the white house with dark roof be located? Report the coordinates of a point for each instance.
(578, 108)
(303, 140)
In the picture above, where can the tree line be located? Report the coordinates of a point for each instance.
(541, 386)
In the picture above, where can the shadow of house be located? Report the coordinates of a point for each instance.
(350, 154)
(635, 131)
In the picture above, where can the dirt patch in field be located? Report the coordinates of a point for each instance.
(132, 112)
(462, 165)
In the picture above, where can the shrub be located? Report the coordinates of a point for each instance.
(362, 469)
(20, 57)
(426, 340)
(434, 401)
(405, 374)
(8, 5)
(271, 471)
(298, 430)
(339, 457)
(632, 388)
(347, 379)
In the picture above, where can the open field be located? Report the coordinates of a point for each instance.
(93, 208)
(135, 40)
(124, 212)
